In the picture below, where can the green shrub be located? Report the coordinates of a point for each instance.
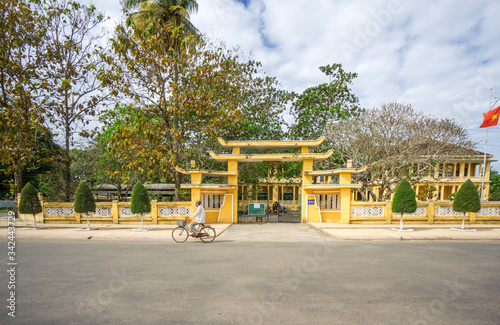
(140, 202)
(84, 199)
(404, 198)
(467, 198)
(30, 203)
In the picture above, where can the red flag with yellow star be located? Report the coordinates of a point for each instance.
(491, 118)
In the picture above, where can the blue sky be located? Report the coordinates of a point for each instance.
(442, 56)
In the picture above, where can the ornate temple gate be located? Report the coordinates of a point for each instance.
(317, 200)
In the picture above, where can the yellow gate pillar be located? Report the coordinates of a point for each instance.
(307, 165)
(232, 166)
(196, 178)
(345, 194)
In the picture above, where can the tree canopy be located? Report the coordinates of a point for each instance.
(395, 141)
(324, 104)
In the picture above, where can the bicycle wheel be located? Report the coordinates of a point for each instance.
(180, 234)
(207, 234)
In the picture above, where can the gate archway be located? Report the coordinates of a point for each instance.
(311, 195)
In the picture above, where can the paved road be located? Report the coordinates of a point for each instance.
(249, 282)
(273, 232)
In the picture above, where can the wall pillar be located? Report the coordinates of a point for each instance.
(431, 211)
(388, 212)
(345, 205)
(472, 217)
(114, 211)
(154, 212)
(345, 195)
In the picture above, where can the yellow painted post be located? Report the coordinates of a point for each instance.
(431, 212)
(78, 217)
(345, 205)
(275, 193)
(196, 178)
(154, 212)
(473, 216)
(40, 197)
(388, 212)
(307, 164)
(232, 165)
(114, 211)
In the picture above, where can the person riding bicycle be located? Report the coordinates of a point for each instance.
(196, 224)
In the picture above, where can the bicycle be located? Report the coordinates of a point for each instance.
(182, 232)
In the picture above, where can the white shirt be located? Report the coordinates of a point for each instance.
(200, 213)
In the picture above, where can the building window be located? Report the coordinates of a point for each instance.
(328, 201)
(212, 201)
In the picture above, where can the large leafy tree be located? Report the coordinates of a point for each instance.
(195, 89)
(73, 91)
(159, 18)
(395, 141)
(99, 162)
(262, 109)
(22, 42)
(321, 105)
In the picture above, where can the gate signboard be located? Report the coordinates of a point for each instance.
(257, 208)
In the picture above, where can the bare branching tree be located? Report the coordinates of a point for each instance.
(73, 90)
(396, 141)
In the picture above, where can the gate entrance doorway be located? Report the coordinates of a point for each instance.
(251, 210)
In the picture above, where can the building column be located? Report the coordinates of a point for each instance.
(462, 172)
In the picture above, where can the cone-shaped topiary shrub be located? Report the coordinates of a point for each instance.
(467, 199)
(30, 203)
(404, 200)
(84, 201)
(140, 202)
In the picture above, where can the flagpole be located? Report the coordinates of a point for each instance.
(485, 149)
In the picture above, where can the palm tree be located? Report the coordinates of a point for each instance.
(167, 21)
(162, 17)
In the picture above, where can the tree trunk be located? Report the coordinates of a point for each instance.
(363, 195)
(142, 223)
(177, 186)
(18, 175)
(88, 223)
(67, 166)
(401, 222)
(34, 219)
(463, 220)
